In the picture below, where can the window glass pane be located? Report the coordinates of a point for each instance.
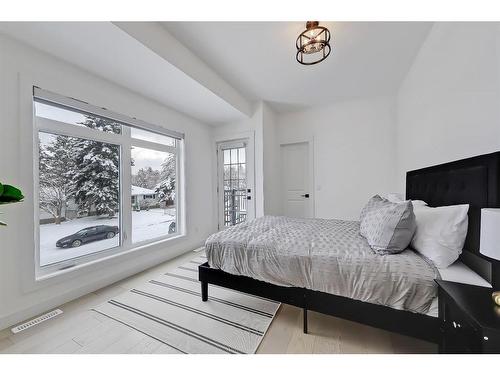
(235, 198)
(234, 172)
(227, 174)
(242, 172)
(227, 156)
(68, 116)
(152, 137)
(79, 197)
(234, 156)
(241, 155)
(154, 211)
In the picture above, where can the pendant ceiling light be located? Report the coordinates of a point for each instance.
(313, 44)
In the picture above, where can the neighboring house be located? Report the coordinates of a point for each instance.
(140, 194)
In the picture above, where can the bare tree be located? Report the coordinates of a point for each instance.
(56, 187)
(146, 177)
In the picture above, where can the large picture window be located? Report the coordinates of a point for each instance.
(105, 183)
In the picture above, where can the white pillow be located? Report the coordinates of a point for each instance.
(440, 233)
(417, 202)
(398, 198)
(393, 197)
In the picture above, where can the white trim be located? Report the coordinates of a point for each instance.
(228, 137)
(220, 186)
(233, 144)
(109, 257)
(125, 190)
(60, 128)
(218, 138)
(244, 140)
(180, 189)
(81, 106)
(41, 274)
(57, 127)
(153, 146)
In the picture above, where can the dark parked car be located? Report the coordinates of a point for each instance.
(171, 227)
(98, 232)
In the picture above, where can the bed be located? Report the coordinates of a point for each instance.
(339, 275)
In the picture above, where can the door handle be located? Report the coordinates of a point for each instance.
(305, 195)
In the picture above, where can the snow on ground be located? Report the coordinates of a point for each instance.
(146, 225)
(150, 224)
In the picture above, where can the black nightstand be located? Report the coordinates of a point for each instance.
(470, 321)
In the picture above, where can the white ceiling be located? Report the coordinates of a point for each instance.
(258, 58)
(212, 71)
(104, 49)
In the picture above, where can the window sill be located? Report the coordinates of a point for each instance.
(53, 276)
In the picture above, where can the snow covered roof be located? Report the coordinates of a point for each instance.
(137, 190)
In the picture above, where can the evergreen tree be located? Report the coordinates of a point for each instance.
(166, 187)
(96, 179)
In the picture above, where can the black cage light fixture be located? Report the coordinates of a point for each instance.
(313, 44)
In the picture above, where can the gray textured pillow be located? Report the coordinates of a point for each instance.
(372, 204)
(387, 226)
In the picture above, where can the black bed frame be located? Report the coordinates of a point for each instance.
(475, 181)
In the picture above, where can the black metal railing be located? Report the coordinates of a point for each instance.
(235, 206)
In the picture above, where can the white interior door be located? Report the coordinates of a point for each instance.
(296, 180)
(236, 182)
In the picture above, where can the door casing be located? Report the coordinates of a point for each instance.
(250, 174)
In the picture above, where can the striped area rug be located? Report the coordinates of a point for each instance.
(169, 309)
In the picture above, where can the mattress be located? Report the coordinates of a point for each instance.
(324, 255)
(459, 273)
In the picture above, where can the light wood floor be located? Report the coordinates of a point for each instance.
(80, 330)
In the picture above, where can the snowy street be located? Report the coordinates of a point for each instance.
(146, 225)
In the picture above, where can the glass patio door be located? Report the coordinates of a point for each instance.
(236, 203)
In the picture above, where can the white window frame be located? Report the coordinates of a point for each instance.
(125, 142)
(246, 140)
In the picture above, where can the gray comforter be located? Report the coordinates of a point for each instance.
(324, 255)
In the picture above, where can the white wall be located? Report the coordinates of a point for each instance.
(271, 150)
(354, 152)
(19, 65)
(449, 103)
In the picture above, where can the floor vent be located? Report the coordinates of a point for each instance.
(36, 321)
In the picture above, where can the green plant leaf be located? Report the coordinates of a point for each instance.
(11, 194)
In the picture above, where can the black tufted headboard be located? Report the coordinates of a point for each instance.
(475, 181)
